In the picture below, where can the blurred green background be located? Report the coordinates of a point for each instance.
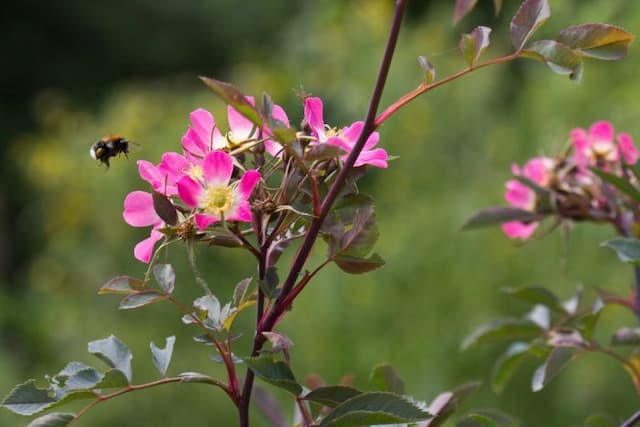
(75, 71)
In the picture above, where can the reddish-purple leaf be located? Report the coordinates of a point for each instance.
(529, 17)
(600, 41)
(558, 57)
(463, 7)
(232, 96)
(122, 285)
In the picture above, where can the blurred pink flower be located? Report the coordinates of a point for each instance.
(599, 144)
(344, 138)
(214, 195)
(520, 196)
(139, 212)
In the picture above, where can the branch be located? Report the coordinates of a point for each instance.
(424, 88)
(632, 421)
(105, 397)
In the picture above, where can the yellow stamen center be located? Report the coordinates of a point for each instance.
(218, 200)
(195, 171)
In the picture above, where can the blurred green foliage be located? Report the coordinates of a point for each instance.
(455, 148)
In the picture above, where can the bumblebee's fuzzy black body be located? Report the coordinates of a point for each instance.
(109, 146)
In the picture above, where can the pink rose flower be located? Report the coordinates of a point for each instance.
(344, 138)
(214, 196)
(520, 196)
(600, 143)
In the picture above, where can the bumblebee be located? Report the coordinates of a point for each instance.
(109, 146)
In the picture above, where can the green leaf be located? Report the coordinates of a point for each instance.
(356, 265)
(209, 311)
(83, 379)
(362, 236)
(122, 285)
(600, 41)
(274, 372)
(472, 45)
(323, 152)
(164, 208)
(503, 330)
(463, 7)
(507, 364)
(55, 419)
(488, 418)
(557, 360)
(559, 58)
(374, 408)
(140, 299)
(332, 396)
(626, 336)
(240, 291)
(529, 17)
(114, 353)
(428, 69)
(196, 377)
(284, 135)
(162, 356)
(536, 295)
(587, 323)
(498, 215)
(27, 399)
(628, 249)
(113, 378)
(233, 97)
(619, 183)
(384, 377)
(165, 276)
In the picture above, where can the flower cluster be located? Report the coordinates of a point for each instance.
(583, 184)
(210, 182)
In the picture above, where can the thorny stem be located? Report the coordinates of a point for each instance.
(245, 397)
(130, 388)
(314, 229)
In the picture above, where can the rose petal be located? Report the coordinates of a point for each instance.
(519, 230)
(627, 148)
(242, 213)
(217, 168)
(352, 133)
(279, 114)
(150, 173)
(313, 115)
(139, 211)
(190, 191)
(601, 130)
(202, 123)
(192, 144)
(241, 127)
(377, 158)
(143, 251)
(248, 182)
(204, 220)
(519, 195)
